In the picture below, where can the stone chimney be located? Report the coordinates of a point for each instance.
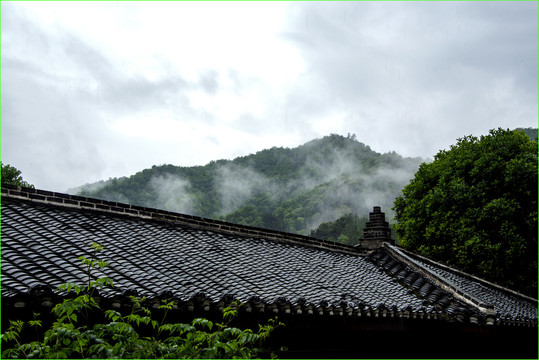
(376, 232)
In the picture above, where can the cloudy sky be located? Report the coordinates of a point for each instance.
(94, 90)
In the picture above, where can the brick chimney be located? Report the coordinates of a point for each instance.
(377, 231)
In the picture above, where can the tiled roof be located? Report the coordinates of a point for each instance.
(202, 262)
(505, 303)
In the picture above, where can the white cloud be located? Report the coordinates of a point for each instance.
(92, 90)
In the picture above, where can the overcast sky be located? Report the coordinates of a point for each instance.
(93, 90)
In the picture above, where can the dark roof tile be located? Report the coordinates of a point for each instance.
(41, 243)
(504, 302)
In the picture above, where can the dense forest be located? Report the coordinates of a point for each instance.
(334, 181)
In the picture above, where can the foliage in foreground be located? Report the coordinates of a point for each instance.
(475, 207)
(135, 335)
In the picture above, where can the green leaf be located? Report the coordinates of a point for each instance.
(10, 335)
(166, 305)
(35, 323)
(204, 323)
(112, 315)
(96, 246)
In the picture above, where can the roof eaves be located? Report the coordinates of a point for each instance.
(467, 275)
(484, 308)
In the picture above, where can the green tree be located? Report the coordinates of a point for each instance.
(11, 175)
(475, 207)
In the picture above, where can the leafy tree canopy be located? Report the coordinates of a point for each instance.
(475, 207)
(11, 175)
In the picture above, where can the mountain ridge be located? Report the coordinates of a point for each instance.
(293, 190)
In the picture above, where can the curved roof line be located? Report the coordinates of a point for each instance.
(109, 207)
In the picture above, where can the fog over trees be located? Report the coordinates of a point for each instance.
(284, 189)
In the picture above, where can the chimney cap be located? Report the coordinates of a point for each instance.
(376, 231)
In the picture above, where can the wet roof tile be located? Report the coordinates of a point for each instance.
(41, 244)
(505, 302)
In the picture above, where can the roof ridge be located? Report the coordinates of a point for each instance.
(467, 275)
(453, 289)
(57, 199)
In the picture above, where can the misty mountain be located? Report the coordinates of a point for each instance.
(531, 132)
(293, 190)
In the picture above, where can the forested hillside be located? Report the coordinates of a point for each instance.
(531, 132)
(292, 190)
